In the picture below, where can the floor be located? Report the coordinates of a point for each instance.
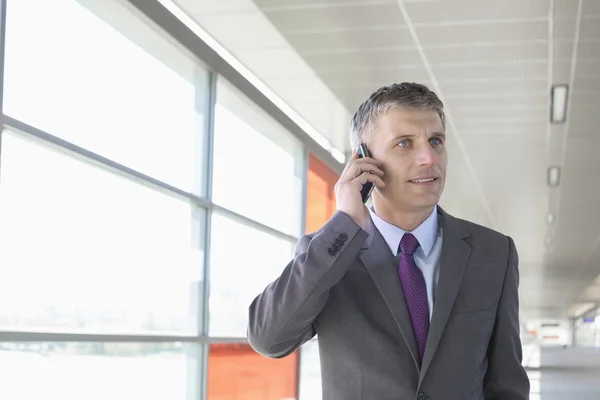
(563, 374)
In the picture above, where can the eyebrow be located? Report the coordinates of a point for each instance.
(399, 136)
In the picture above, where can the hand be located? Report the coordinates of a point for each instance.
(357, 172)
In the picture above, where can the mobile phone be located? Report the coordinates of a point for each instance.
(367, 188)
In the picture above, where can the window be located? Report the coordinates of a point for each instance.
(236, 371)
(85, 250)
(310, 371)
(258, 165)
(243, 262)
(105, 88)
(96, 371)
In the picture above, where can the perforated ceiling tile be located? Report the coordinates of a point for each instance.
(587, 68)
(589, 85)
(591, 7)
(331, 39)
(267, 4)
(345, 85)
(539, 113)
(365, 60)
(561, 71)
(564, 29)
(565, 8)
(563, 50)
(474, 10)
(492, 100)
(589, 50)
(590, 28)
(350, 78)
(505, 71)
(493, 85)
(483, 33)
(487, 52)
(360, 16)
(534, 126)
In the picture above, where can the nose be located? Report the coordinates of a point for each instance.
(427, 156)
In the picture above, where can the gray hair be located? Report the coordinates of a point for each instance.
(406, 95)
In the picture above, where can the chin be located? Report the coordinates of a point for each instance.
(425, 202)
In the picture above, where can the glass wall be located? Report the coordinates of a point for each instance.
(144, 202)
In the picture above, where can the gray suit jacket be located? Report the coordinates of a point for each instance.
(343, 284)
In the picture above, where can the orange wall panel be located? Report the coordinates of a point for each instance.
(237, 372)
(320, 195)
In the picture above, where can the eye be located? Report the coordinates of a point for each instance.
(435, 141)
(403, 143)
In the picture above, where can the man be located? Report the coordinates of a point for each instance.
(408, 302)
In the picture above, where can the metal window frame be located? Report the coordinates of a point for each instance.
(162, 17)
(216, 67)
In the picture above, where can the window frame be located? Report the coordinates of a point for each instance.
(186, 38)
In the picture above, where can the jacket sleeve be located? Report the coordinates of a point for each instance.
(282, 317)
(506, 378)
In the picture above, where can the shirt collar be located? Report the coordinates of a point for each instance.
(426, 233)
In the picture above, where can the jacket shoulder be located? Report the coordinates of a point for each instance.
(481, 233)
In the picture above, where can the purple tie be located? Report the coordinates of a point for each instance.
(415, 291)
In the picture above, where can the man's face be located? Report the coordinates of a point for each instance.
(411, 144)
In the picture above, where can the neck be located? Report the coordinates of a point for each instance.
(406, 220)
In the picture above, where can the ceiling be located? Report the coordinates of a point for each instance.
(493, 64)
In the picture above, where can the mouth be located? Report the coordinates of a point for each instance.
(424, 180)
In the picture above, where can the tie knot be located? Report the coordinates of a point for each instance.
(408, 244)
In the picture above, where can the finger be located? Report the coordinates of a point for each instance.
(366, 177)
(360, 168)
(368, 167)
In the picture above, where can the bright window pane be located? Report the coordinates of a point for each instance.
(97, 371)
(91, 83)
(85, 250)
(310, 371)
(258, 165)
(236, 371)
(238, 274)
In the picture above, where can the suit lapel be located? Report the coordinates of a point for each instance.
(380, 264)
(453, 261)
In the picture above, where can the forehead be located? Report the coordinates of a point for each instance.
(409, 121)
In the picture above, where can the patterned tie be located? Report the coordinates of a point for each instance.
(415, 291)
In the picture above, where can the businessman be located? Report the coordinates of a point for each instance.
(408, 301)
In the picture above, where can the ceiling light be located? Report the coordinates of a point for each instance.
(550, 218)
(558, 112)
(553, 176)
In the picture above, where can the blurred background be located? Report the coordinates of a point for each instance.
(160, 158)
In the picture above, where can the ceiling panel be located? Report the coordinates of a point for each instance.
(487, 114)
(336, 39)
(340, 61)
(591, 7)
(307, 19)
(565, 8)
(590, 29)
(505, 70)
(476, 10)
(268, 4)
(491, 32)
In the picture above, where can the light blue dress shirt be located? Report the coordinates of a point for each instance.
(427, 256)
